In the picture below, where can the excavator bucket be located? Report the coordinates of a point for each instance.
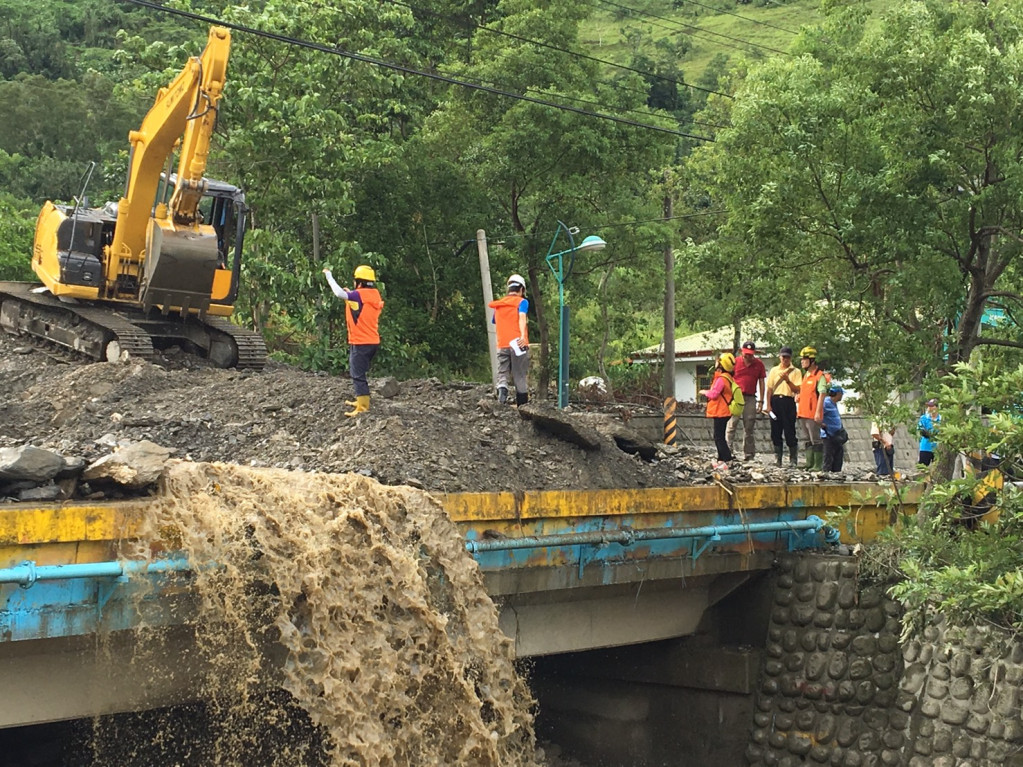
(179, 268)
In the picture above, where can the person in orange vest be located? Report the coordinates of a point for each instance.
(717, 405)
(512, 341)
(362, 314)
(810, 406)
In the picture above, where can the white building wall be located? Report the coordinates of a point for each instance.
(685, 382)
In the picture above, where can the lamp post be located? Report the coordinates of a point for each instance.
(561, 274)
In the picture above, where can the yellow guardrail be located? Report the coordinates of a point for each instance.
(74, 533)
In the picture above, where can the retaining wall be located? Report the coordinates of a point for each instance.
(837, 688)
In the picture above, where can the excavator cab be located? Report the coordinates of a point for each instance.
(192, 269)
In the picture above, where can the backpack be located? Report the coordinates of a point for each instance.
(738, 401)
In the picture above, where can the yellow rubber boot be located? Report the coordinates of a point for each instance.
(361, 405)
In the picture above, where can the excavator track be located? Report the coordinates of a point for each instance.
(109, 335)
(97, 333)
(251, 348)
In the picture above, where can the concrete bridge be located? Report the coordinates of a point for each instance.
(569, 571)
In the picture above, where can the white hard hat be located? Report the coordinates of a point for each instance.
(516, 279)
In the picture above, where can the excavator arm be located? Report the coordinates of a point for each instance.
(185, 110)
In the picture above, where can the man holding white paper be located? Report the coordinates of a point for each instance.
(512, 340)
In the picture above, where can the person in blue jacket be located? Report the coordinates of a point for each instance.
(928, 428)
(833, 434)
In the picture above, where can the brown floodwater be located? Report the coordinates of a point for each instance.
(339, 622)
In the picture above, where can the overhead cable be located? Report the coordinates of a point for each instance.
(578, 54)
(695, 29)
(407, 69)
(744, 18)
(456, 20)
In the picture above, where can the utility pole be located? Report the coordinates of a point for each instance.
(316, 239)
(670, 428)
(488, 296)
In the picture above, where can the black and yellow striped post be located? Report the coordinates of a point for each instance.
(670, 429)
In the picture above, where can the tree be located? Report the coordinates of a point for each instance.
(16, 226)
(946, 562)
(878, 170)
(538, 164)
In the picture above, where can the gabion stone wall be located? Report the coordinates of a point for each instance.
(830, 678)
(966, 686)
(836, 688)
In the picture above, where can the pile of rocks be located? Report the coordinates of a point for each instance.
(29, 473)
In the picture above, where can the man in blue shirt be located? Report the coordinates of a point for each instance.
(833, 435)
(928, 428)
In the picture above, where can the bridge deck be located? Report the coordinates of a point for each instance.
(563, 567)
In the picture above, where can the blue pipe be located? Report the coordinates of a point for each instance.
(27, 573)
(628, 537)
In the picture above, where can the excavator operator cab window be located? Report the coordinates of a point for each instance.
(218, 208)
(219, 212)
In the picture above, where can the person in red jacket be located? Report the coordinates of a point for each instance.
(749, 374)
(718, 396)
(512, 340)
(362, 314)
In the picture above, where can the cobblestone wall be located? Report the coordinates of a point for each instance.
(836, 687)
(966, 693)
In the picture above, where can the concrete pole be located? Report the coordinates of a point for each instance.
(488, 296)
(670, 431)
(316, 239)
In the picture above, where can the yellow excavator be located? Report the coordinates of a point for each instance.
(161, 266)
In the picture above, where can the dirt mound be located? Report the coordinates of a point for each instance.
(450, 437)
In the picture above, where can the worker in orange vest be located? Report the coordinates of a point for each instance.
(362, 314)
(719, 395)
(512, 340)
(810, 406)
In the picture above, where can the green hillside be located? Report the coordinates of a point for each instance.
(711, 28)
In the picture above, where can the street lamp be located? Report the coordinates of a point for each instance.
(561, 274)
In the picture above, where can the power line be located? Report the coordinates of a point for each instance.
(665, 218)
(456, 20)
(541, 44)
(601, 61)
(739, 16)
(674, 31)
(406, 69)
(600, 227)
(581, 55)
(543, 92)
(696, 29)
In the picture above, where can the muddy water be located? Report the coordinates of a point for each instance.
(391, 649)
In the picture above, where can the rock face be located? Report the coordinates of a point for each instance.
(561, 426)
(29, 463)
(137, 465)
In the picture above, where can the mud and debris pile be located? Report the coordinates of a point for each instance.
(448, 437)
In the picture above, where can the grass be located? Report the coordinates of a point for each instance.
(770, 26)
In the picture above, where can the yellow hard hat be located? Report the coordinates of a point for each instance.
(727, 362)
(808, 351)
(365, 273)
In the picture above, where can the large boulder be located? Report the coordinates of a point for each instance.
(29, 463)
(561, 425)
(135, 465)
